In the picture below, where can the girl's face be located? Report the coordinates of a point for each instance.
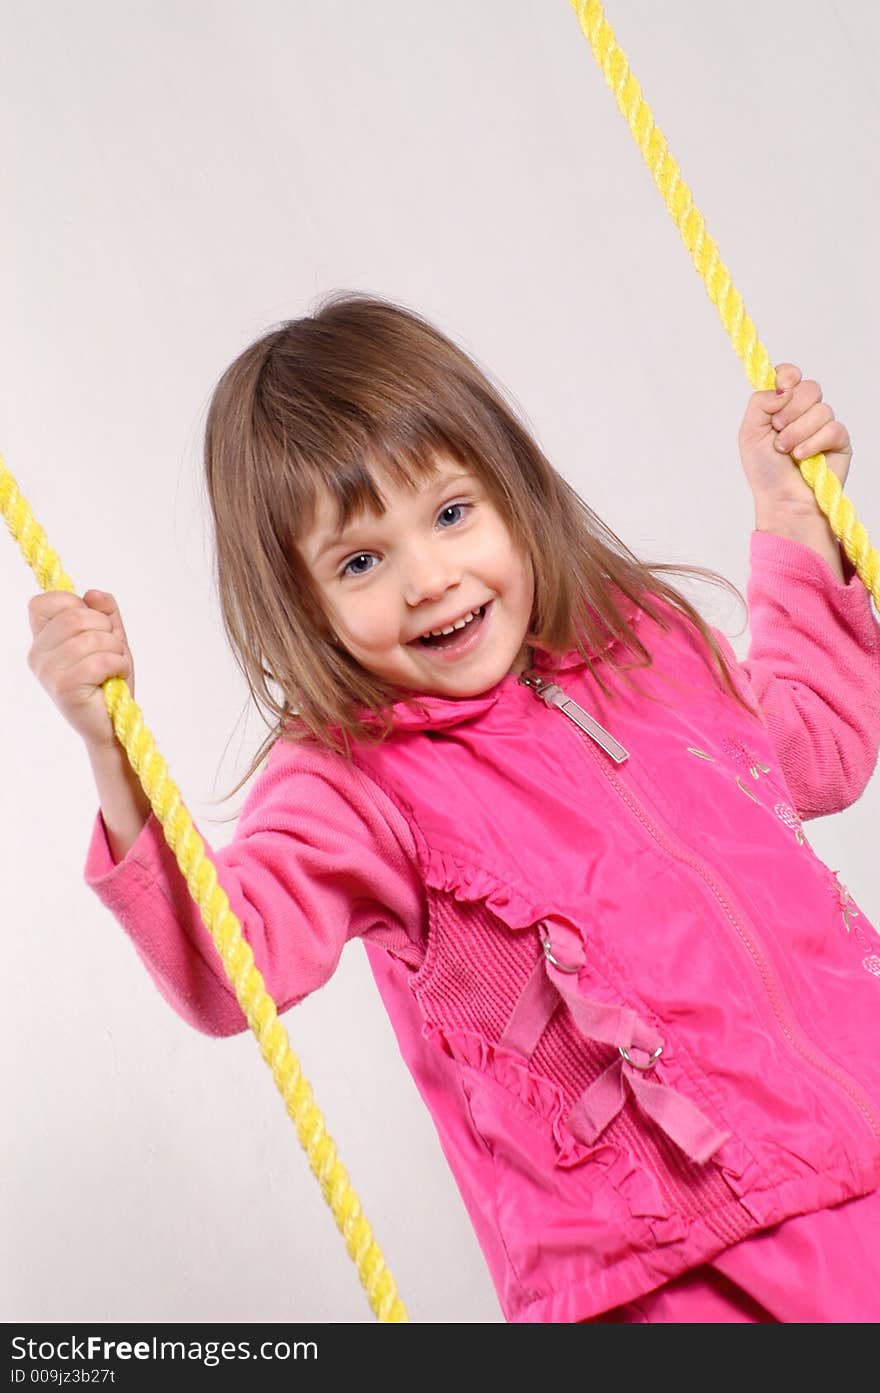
(433, 557)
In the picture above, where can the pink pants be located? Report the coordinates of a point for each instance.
(819, 1267)
(703, 1295)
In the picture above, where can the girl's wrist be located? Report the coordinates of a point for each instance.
(807, 525)
(102, 749)
(125, 807)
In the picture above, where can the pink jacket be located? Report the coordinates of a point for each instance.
(641, 1010)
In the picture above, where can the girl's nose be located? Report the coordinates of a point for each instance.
(428, 577)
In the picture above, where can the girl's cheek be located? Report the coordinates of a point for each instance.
(371, 625)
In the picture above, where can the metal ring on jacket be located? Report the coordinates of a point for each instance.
(547, 945)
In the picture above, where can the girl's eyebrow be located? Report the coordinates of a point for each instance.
(336, 539)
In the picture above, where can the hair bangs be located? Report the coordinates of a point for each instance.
(353, 476)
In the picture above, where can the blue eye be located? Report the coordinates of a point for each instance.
(450, 507)
(347, 571)
(360, 557)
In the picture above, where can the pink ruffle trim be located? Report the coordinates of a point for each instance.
(465, 882)
(636, 1187)
(512, 1072)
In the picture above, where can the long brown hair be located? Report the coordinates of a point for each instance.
(313, 404)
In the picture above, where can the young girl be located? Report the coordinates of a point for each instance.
(564, 819)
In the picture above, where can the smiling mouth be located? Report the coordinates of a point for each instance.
(449, 640)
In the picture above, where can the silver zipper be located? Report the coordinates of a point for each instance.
(553, 695)
(799, 1041)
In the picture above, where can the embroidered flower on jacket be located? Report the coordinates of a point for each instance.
(790, 817)
(851, 915)
(742, 755)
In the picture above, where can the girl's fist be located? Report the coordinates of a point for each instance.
(797, 423)
(78, 644)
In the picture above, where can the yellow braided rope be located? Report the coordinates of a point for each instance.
(164, 796)
(225, 930)
(716, 278)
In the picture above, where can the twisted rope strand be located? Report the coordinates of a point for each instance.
(225, 930)
(165, 799)
(716, 278)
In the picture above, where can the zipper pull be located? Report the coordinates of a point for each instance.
(553, 695)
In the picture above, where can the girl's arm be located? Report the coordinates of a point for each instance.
(319, 855)
(813, 665)
(814, 659)
(124, 805)
(810, 528)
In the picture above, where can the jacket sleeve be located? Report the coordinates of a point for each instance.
(319, 855)
(813, 668)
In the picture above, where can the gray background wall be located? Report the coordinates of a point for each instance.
(177, 177)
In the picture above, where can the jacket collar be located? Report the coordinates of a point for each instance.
(437, 713)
